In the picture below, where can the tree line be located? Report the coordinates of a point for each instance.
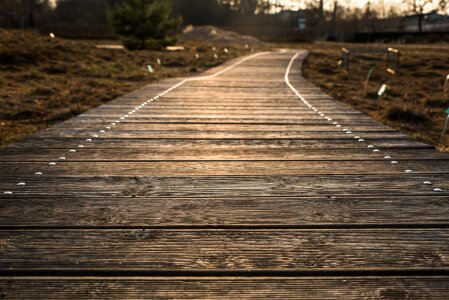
(322, 15)
(33, 13)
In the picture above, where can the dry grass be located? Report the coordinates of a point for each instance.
(414, 102)
(44, 81)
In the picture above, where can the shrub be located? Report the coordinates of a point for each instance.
(145, 24)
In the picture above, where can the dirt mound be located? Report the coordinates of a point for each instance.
(217, 35)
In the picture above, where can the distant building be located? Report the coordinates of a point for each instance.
(432, 21)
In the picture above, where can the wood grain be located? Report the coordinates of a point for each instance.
(227, 249)
(227, 186)
(370, 287)
(65, 211)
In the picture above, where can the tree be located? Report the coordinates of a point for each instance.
(81, 12)
(201, 12)
(145, 23)
(419, 7)
(317, 5)
(370, 17)
(246, 7)
(23, 13)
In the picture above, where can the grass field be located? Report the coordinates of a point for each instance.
(44, 81)
(414, 102)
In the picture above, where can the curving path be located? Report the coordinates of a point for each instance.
(247, 181)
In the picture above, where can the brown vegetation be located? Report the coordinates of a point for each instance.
(414, 102)
(44, 80)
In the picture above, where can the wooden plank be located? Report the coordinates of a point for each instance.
(191, 153)
(283, 212)
(139, 127)
(154, 111)
(345, 287)
(210, 134)
(68, 168)
(217, 113)
(78, 121)
(225, 186)
(218, 143)
(229, 249)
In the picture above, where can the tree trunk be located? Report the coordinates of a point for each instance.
(420, 18)
(321, 9)
(334, 12)
(31, 9)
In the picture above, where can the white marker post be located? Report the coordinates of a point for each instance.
(445, 126)
(380, 93)
(150, 69)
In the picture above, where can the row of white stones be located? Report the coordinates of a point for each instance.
(338, 126)
(123, 117)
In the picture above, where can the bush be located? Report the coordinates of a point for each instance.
(145, 24)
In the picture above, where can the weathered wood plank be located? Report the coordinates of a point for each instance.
(240, 249)
(218, 143)
(139, 127)
(217, 120)
(355, 211)
(191, 153)
(211, 134)
(345, 287)
(231, 168)
(226, 186)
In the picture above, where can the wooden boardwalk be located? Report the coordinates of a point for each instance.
(246, 182)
